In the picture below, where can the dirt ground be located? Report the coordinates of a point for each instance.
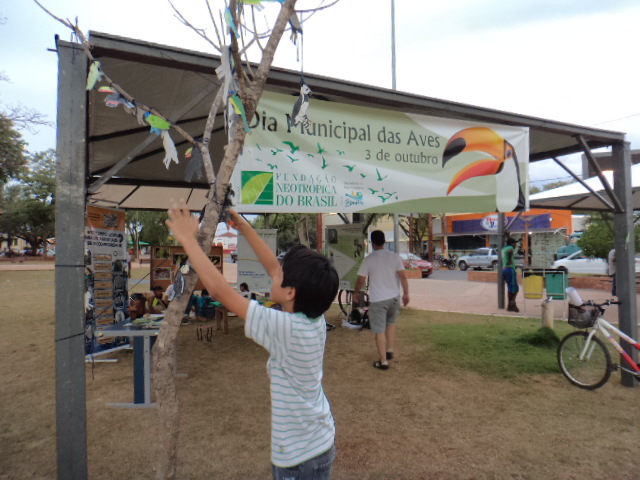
(419, 420)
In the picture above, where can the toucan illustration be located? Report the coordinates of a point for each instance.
(502, 163)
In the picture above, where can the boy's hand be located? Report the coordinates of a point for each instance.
(237, 221)
(184, 226)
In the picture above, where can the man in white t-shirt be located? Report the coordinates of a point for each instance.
(388, 287)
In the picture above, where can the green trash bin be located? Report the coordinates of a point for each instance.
(556, 282)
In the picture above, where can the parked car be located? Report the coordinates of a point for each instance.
(578, 263)
(484, 258)
(411, 260)
(481, 258)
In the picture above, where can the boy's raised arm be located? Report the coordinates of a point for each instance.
(259, 246)
(185, 228)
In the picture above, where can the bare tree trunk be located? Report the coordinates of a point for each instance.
(165, 349)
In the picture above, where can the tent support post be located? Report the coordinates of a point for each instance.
(625, 254)
(71, 408)
(501, 230)
(592, 161)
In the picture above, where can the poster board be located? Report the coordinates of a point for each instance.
(166, 260)
(345, 250)
(250, 270)
(106, 275)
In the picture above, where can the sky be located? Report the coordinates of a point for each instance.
(574, 61)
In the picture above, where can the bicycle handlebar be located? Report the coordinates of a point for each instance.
(606, 303)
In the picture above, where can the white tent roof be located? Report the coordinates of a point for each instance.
(576, 196)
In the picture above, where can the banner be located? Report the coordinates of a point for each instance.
(359, 159)
(107, 275)
(345, 250)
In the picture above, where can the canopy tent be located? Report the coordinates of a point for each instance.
(576, 196)
(106, 158)
(124, 161)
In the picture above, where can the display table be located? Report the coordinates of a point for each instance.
(143, 340)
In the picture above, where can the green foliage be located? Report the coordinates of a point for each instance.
(148, 226)
(285, 223)
(599, 236)
(28, 210)
(12, 153)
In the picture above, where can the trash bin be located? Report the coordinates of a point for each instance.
(533, 283)
(557, 282)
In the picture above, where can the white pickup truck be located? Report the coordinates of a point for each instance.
(483, 258)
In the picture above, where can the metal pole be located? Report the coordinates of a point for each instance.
(393, 45)
(71, 407)
(396, 228)
(625, 253)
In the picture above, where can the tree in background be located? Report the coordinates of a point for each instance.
(285, 223)
(147, 226)
(599, 236)
(12, 156)
(28, 210)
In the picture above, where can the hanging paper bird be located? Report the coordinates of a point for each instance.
(95, 75)
(239, 109)
(228, 17)
(195, 166)
(114, 98)
(158, 124)
(179, 284)
(225, 71)
(296, 27)
(171, 154)
(300, 108)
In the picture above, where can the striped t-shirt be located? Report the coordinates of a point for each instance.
(302, 425)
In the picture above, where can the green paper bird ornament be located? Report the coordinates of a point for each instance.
(239, 109)
(158, 124)
(95, 75)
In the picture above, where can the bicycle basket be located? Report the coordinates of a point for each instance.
(582, 317)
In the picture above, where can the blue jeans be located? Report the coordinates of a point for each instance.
(316, 468)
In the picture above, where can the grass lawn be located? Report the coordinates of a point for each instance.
(468, 397)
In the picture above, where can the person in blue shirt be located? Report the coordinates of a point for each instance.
(305, 285)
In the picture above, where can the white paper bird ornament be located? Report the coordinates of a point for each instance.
(171, 154)
(299, 113)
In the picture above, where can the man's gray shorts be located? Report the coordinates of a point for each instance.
(383, 313)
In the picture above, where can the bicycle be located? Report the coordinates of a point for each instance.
(583, 357)
(345, 300)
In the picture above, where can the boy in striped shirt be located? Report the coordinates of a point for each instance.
(305, 285)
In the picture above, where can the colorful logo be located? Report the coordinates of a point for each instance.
(257, 188)
(354, 198)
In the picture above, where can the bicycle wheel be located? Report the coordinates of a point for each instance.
(437, 264)
(594, 370)
(344, 300)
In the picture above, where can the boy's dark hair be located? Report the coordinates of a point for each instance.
(377, 237)
(313, 277)
(511, 241)
(157, 287)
